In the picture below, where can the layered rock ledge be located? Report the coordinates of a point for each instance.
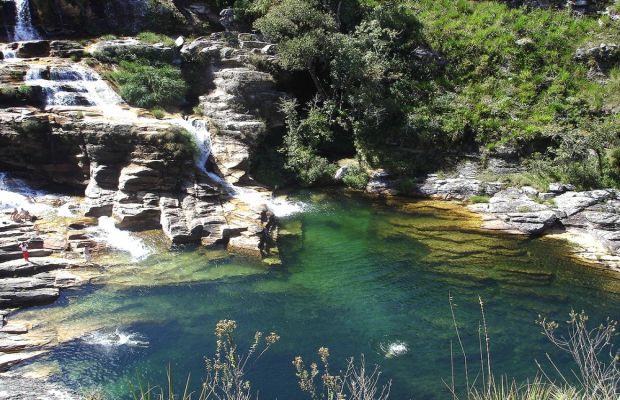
(588, 219)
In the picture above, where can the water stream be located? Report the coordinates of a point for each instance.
(24, 30)
(359, 276)
(77, 85)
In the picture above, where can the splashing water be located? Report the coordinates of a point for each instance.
(15, 194)
(121, 240)
(115, 339)
(281, 207)
(74, 86)
(9, 55)
(24, 30)
(394, 349)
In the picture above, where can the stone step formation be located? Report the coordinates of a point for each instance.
(28, 283)
(120, 162)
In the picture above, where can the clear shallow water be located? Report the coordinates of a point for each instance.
(358, 276)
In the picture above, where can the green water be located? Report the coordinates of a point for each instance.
(356, 274)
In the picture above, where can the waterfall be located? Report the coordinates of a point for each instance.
(200, 132)
(24, 30)
(73, 86)
(9, 55)
(79, 86)
(121, 240)
(16, 194)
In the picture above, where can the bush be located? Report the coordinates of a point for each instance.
(476, 199)
(356, 178)
(153, 38)
(158, 113)
(17, 95)
(148, 86)
(178, 144)
(614, 159)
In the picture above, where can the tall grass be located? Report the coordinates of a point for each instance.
(595, 377)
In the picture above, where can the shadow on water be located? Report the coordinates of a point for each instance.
(359, 276)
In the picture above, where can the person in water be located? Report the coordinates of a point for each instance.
(24, 248)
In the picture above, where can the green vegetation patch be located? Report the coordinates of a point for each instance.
(154, 38)
(149, 85)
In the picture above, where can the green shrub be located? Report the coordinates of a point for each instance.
(25, 90)
(148, 86)
(198, 110)
(406, 185)
(16, 95)
(356, 178)
(178, 144)
(158, 113)
(109, 37)
(476, 199)
(32, 127)
(76, 57)
(614, 159)
(153, 38)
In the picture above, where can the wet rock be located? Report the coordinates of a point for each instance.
(66, 49)
(31, 49)
(9, 390)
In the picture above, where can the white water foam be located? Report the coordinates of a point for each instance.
(74, 86)
(394, 349)
(115, 339)
(15, 194)
(9, 55)
(24, 30)
(108, 233)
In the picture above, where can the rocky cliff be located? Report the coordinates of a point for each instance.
(87, 18)
(140, 170)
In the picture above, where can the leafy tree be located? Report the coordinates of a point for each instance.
(301, 141)
(303, 30)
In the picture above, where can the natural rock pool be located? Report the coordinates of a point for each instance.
(358, 275)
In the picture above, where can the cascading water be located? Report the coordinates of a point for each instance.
(72, 86)
(79, 86)
(16, 194)
(8, 55)
(24, 30)
(121, 240)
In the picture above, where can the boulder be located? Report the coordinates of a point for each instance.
(34, 48)
(574, 202)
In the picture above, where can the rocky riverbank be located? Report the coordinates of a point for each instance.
(136, 168)
(55, 264)
(590, 220)
(188, 177)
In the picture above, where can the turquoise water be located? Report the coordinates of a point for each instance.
(356, 274)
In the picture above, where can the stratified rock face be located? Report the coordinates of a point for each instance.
(242, 102)
(94, 17)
